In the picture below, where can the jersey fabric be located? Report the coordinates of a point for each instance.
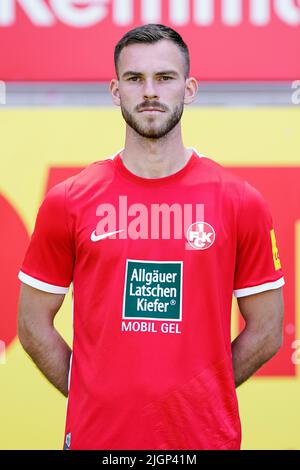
(154, 264)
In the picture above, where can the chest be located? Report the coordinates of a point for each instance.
(189, 222)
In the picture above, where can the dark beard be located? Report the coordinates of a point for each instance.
(153, 133)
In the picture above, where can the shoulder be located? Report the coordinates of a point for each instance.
(100, 173)
(231, 186)
(96, 176)
(212, 172)
(218, 172)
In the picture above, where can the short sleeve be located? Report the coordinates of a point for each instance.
(49, 260)
(258, 266)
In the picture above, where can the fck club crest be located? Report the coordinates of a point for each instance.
(200, 235)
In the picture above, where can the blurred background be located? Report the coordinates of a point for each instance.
(56, 116)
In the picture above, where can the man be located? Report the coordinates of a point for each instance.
(155, 240)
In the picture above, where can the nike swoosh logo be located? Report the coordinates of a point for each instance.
(96, 238)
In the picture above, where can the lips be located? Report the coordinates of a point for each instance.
(151, 109)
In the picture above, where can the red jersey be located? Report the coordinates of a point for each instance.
(154, 264)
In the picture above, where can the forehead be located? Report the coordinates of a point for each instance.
(162, 55)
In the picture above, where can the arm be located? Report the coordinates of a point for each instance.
(40, 339)
(262, 336)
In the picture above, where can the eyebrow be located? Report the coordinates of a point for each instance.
(168, 72)
(139, 74)
(131, 72)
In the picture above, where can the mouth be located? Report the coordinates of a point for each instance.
(151, 110)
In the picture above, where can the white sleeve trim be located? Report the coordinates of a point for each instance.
(31, 281)
(257, 289)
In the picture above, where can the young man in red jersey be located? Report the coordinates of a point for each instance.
(155, 240)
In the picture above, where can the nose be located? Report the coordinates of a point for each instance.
(150, 92)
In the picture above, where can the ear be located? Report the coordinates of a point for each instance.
(114, 90)
(191, 89)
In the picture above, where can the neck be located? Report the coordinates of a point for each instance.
(155, 158)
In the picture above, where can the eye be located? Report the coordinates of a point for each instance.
(134, 79)
(164, 78)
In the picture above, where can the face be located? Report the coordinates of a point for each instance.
(152, 88)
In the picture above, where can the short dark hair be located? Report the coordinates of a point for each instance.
(150, 34)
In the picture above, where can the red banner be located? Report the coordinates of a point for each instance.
(74, 39)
